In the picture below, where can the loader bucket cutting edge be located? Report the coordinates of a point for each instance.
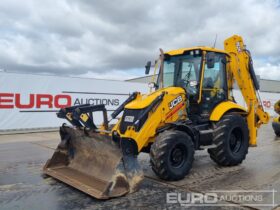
(94, 164)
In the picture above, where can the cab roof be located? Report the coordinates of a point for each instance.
(182, 50)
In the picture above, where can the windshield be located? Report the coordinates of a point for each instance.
(182, 70)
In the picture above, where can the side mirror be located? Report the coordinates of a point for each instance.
(210, 60)
(148, 67)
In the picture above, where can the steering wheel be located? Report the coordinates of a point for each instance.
(192, 90)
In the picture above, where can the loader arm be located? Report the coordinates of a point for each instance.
(241, 69)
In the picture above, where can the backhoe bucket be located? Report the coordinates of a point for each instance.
(94, 164)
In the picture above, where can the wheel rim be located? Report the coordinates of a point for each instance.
(235, 140)
(178, 156)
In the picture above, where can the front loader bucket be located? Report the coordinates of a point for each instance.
(94, 164)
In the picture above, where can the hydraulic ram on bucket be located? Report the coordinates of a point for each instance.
(91, 161)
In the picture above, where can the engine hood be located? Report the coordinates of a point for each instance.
(146, 99)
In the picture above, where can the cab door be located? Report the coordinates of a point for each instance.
(214, 83)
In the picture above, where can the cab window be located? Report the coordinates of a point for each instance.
(214, 89)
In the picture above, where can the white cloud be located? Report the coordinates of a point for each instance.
(114, 37)
(267, 69)
(270, 71)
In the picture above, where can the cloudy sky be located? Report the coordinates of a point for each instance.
(114, 39)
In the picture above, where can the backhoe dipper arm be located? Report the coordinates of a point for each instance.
(241, 67)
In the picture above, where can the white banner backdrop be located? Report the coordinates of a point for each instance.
(31, 101)
(268, 100)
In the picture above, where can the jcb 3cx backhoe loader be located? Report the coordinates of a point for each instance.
(190, 107)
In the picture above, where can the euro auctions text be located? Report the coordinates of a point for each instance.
(49, 101)
(252, 198)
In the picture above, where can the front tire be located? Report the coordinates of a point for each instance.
(231, 137)
(172, 155)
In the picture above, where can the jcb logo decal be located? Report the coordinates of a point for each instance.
(175, 102)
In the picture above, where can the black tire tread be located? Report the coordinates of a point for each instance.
(277, 133)
(158, 153)
(221, 129)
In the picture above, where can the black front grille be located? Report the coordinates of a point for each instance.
(135, 114)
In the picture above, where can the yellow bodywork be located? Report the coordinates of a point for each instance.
(237, 69)
(182, 50)
(224, 107)
(160, 116)
(276, 119)
(277, 110)
(277, 107)
(102, 162)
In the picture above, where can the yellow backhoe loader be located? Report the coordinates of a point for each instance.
(190, 107)
(276, 120)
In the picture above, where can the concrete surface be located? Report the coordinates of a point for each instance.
(23, 186)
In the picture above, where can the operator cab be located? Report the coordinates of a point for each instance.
(201, 73)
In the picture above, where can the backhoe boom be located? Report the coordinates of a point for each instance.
(242, 71)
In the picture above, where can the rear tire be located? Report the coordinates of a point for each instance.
(276, 128)
(172, 155)
(277, 134)
(231, 137)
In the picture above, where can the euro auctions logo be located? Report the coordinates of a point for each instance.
(251, 198)
(31, 101)
(190, 199)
